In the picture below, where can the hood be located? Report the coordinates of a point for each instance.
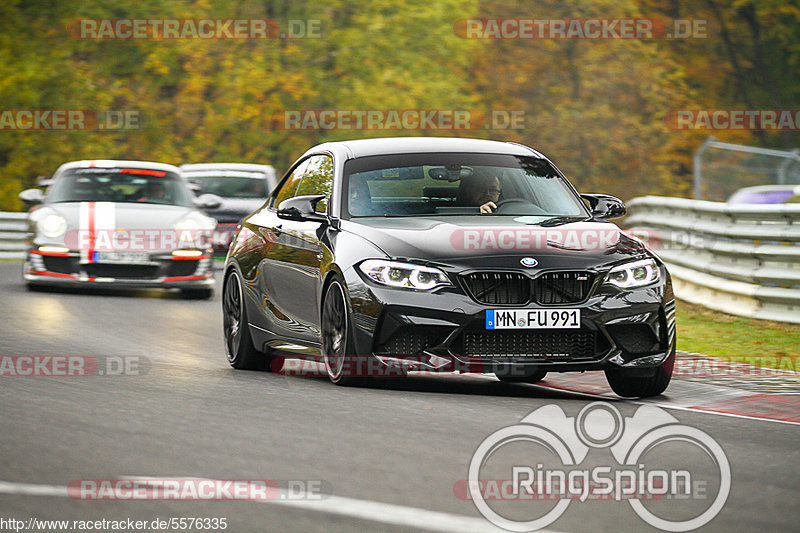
(118, 219)
(128, 216)
(481, 242)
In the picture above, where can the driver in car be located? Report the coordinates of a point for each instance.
(481, 189)
(155, 191)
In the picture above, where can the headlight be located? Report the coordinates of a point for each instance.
(53, 226)
(636, 274)
(405, 275)
(192, 233)
(187, 224)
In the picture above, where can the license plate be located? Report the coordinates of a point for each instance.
(121, 257)
(533, 318)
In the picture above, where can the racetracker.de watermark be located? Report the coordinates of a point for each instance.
(68, 120)
(197, 489)
(140, 240)
(73, 366)
(579, 28)
(203, 29)
(546, 458)
(733, 119)
(394, 366)
(742, 366)
(398, 119)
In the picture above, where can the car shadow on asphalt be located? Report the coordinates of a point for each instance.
(446, 383)
(155, 294)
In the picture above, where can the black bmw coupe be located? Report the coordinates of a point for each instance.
(383, 256)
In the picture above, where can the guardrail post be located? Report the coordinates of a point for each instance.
(697, 167)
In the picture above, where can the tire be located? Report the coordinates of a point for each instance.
(239, 347)
(509, 374)
(35, 287)
(338, 351)
(197, 294)
(626, 383)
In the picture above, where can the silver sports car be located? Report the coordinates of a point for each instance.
(121, 224)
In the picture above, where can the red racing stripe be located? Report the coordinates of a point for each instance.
(92, 235)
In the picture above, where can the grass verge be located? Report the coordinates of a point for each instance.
(738, 339)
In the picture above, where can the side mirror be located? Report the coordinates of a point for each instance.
(208, 201)
(605, 206)
(301, 208)
(32, 196)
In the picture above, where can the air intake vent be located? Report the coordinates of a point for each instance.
(498, 288)
(566, 345)
(509, 288)
(562, 287)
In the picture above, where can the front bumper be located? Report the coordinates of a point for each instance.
(160, 270)
(445, 330)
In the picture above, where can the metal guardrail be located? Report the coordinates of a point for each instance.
(13, 227)
(740, 259)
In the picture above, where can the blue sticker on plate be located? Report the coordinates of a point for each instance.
(490, 319)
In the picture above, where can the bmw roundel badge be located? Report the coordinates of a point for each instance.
(528, 262)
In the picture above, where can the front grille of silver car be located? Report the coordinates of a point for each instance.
(121, 271)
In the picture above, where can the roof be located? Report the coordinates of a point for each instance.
(115, 163)
(243, 167)
(770, 188)
(407, 145)
(260, 175)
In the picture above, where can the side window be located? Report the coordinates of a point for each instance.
(318, 179)
(289, 186)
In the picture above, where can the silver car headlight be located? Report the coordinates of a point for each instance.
(635, 274)
(194, 231)
(53, 226)
(403, 275)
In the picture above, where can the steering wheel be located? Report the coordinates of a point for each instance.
(505, 205)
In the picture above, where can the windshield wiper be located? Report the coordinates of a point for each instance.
(561, 219)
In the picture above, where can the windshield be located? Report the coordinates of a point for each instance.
(232, 186)
(122, 185)
(457, 185)
(761, 197)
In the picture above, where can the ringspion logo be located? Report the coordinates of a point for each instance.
(517, 493)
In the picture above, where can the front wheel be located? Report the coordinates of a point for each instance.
(238, 343)
(337, 345)
(626, 383)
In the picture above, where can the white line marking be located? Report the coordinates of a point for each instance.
(30, 489)
(700, 409)
(685, 396)
(384, 513)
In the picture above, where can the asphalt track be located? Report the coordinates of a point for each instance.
(391, 457)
